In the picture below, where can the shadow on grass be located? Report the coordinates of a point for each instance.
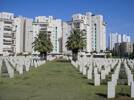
(84, 77)
(123, 94)
(91, 83)
(102, 95)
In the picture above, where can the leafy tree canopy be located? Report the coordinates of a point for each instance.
(43, 43)
(76, 40)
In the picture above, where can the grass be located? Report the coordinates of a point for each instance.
(53, 81)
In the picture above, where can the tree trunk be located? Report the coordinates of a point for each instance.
(41, 56)
(74, 55)
(45, 55)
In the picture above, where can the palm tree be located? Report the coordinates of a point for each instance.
(43, 44)
(75, 42)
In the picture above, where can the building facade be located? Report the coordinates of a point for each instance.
(28, 35)
(15, 34)
(114, 38)
(126, 38)
(6, 33)
(19, 36)
(124, 49)
(23, 34)
(118, 38)
(94, 29)
(66, 29)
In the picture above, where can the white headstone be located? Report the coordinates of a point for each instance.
(111, 90)
(96, 78)
(89, 73)
(132, 89)
(9, 69)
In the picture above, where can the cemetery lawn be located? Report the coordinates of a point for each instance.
(52, 81)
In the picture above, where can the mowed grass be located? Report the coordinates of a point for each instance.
(52, 81)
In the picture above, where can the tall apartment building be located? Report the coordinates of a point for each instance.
(6, 33)
(126, 38)
(98, 33)
(94, 29)
(19, 36)
(66, 29)
(18, 33)
(118, 38)
(114, 38)
(15, 34)
(23, 34)
(28, 35)
(52, 26)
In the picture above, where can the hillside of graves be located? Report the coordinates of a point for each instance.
(86, 79)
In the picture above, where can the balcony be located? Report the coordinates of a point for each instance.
(41, 23)
(7, 42)
(7, 49)
(7, 21)
(7, 35)
(7, 29)
(78, 21)
(44, 29)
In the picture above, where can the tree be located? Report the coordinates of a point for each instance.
(43, 44)
(75, 42)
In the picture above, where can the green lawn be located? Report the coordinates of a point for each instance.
(52, 81)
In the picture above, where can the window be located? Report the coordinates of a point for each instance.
(7, 43)
(77, 25)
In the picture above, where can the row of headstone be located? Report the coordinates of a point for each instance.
(98, 68)
(10, 65)
(112, 84)
(132, 89)
(130, 78)
(129, 74)
(94, 68)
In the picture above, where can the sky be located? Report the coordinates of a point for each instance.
(118, 14)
